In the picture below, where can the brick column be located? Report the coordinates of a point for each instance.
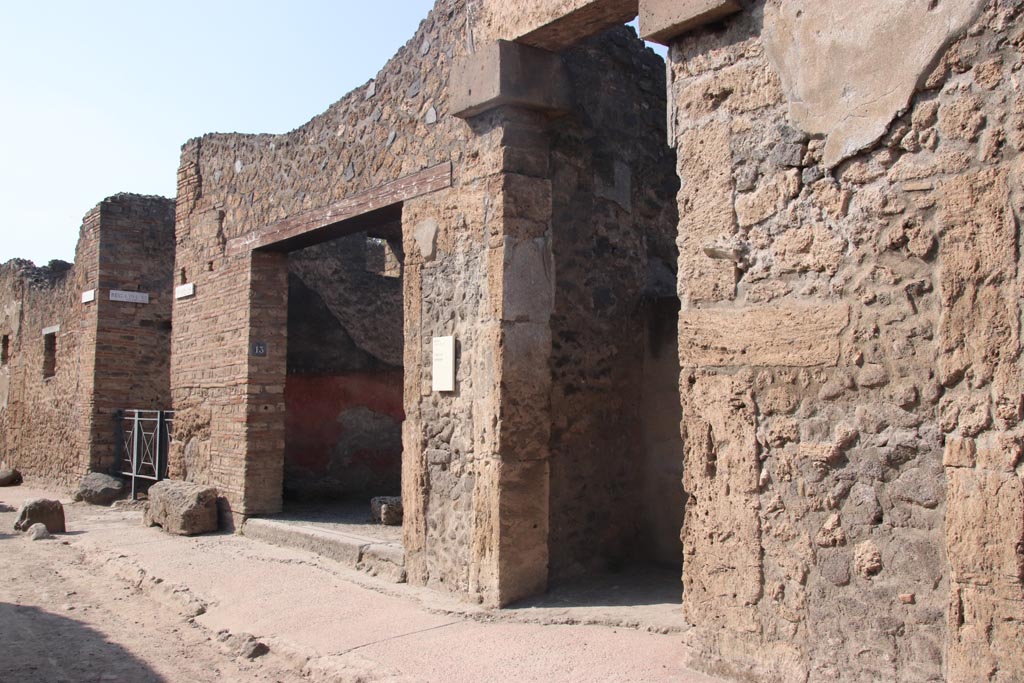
(264, 393)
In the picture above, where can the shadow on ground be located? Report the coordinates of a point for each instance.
(41, 647)
(634, 586)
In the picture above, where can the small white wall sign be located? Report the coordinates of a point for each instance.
(185, 291)
(129, 297)
(444, 364)
(88, 296)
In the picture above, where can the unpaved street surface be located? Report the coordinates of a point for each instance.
(62, 621)
(114, 601)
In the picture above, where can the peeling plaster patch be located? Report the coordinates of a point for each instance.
(426, 238)
(849, 68)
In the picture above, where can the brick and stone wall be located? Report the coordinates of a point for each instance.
(231, 428)
(108, 355)
(848, 334)
(45, 420)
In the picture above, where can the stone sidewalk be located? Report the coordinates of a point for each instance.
(332, 623)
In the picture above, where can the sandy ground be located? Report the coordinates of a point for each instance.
(114, 601)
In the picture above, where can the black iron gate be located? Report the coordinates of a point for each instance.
(145, 442)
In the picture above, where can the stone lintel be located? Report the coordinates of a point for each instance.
(663, 20)
(509, 74)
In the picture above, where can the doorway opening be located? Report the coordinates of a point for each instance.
(616, 455)
(344, 404)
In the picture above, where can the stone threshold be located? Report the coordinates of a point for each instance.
(385, 560)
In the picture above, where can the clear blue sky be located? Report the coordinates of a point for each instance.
(98, 97)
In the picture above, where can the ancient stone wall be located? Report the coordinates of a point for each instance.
(45, 419)
(613, 244)
(58, 412)
(233, 406)
(850, 340)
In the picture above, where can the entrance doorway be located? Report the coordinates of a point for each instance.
(616, 501)
(343, 392)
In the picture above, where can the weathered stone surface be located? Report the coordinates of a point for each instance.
(38, 532)
(549, 24)
(849, 69)
(49, 513)
(662, 20)
(867, 559)
(10, 477)
(182, 508)
(791, 335)
(503, 74)
(849, 336)
(707, 195)
(387, 510)
(100, 489)
(108, 355)
(914, 230)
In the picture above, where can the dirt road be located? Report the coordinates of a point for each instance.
(114, 601)
(60, 622)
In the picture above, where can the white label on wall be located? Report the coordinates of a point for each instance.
(129, 297)
(444, 364)
(89, 296)
(185, 291)
(51, 330)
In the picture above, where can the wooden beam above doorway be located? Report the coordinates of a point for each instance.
(389, 194)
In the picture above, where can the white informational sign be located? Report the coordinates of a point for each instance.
(185, 291)
(89, 296)
(444, 364)
(129, 297)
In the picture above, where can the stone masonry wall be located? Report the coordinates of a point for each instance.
(613, 232)
(850, 340)
(231, 419)
(45, 420)
(109, 355)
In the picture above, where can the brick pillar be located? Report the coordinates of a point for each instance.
(264, 391)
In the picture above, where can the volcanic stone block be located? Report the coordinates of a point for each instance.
(182, 508)
(387, 510)
(41, 511)
(100, 489)
(10, 477)
(508, 74)
(663, 20)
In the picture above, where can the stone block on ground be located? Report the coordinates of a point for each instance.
(49, 513)
(10, 477)
(100, 489)
(182, 508)
(387, 510)
(38, 532)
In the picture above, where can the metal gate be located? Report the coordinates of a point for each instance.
(145, 442)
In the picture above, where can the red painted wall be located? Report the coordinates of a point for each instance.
(343, 433)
